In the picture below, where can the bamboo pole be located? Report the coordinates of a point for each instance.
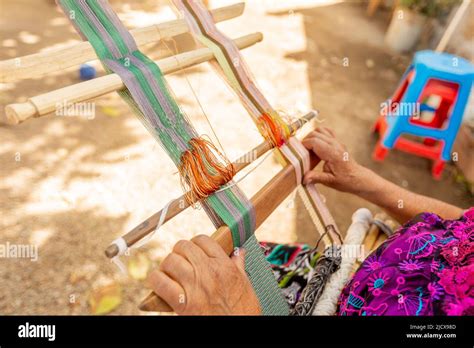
(265, 202)
(64, 57)
(180, 204)
(46, 103)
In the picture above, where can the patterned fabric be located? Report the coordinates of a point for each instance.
(327, 264)
(425, 268)
(292, 266)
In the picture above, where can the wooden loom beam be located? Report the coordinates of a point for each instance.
(265, 201)
(46, 103)
(64, 57)
(180, 204)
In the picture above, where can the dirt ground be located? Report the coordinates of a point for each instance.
(71, 185)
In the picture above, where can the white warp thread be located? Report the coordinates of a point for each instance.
(122, 248)
(327, 303)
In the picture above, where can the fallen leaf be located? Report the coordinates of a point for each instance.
(110, 111)
(105, 299)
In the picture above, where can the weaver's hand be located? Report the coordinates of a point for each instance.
(340, 171)
(198, 278)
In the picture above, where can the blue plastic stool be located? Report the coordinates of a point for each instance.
(429, 65)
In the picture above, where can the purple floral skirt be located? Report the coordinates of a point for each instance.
(425, 268)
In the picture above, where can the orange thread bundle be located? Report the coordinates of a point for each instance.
(203, 170)
(272, 129)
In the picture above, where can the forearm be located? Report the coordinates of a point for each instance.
(344, 174)
(402, 204)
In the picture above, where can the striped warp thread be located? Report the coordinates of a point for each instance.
(229, 61)
(203, 169)
(231, 64)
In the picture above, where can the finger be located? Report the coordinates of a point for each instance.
(168, 289)
(312, 134)
(318, 177)
(209, 246)
(320, 136)
(328, 138)
(326, 168)
(190, 251)
(309, 142)
(238, 257)
(316, 134)
(328, 131)
(321, 148)
(178, 268)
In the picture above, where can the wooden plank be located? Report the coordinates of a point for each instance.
(64, 57)
(46, 103)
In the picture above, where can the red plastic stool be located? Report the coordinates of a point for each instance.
(402, 123)
(432, 152)
(430, 148)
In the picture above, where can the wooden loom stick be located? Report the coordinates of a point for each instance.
(450, 30)
(64, 57)
(265, 202)
(368, 242)
(180, 204)
(376, 236)
(46, 103)
(372, 235)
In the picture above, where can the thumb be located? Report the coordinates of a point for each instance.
(238, 257)
(318, 177)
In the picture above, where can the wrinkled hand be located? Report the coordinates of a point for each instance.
(198, 278)
(340, 171)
